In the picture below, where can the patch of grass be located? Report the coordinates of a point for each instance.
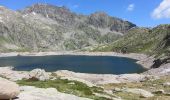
(149, 85)
(22, 50)
(66, 86)
(141, 40)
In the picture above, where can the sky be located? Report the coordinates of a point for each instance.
(144, 13)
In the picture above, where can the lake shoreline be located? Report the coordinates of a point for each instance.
(144, 60)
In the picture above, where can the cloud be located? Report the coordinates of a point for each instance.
(162, 11)
(131, 7)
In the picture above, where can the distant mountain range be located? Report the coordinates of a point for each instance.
(44, 27)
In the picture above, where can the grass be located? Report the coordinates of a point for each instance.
(67, 86)
(149, 85)
(82, 90)
(140, 40)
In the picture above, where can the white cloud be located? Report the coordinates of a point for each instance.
(162, 11)
(131, 7)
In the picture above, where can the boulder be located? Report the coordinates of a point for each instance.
(8, 89)
(141, 92)
(33, 93)
(167, 84)
(39, 74)
(116, 90)
(161, 91)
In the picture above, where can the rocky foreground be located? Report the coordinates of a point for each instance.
(40, 85)
(66, 85)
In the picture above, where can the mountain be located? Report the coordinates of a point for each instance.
(44, 27)
(154, 42)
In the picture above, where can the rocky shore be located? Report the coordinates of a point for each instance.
(91, 80)
(39, 76)
(34, 84)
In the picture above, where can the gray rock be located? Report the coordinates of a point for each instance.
(71, 83)
(161, 91)
(33, 93)
(39, 74)
(108, 96)
(166, 84)
(117, 90)
(141, 92)
(100, 78)
(8, 89)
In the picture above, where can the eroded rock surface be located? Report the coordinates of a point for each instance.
(141, 92)
(39, 74)
(12, 75)
(8, 89)
(103, 78)
(33, 93)
(163, 70)
(90, 79)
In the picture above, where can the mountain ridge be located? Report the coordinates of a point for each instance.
(153, 42)
(44, 27)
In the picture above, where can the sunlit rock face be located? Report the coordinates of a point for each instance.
(43, 27)
(8, 89)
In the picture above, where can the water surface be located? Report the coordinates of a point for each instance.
(83, 64)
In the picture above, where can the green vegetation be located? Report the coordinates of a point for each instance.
(142, 40)
(67, 86)
(149, 85)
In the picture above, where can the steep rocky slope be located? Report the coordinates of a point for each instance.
(43, 27)
(155, 41)
(141, 40)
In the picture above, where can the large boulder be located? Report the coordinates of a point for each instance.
(33, 93)
(8, 89)
(39, 74)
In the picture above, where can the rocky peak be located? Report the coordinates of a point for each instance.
(99, 19)
(46, 8)
(2, 8)
(102, 20)
(59, 14)
(100, 14)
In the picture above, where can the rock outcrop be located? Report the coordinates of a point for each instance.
(39, 74)
(162, 70)
(89, 79)
(102, 78)
(141, 92)
(12, 75)
(33, 93)
(8, 89)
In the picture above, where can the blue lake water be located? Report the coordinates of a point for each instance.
(83, 64)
